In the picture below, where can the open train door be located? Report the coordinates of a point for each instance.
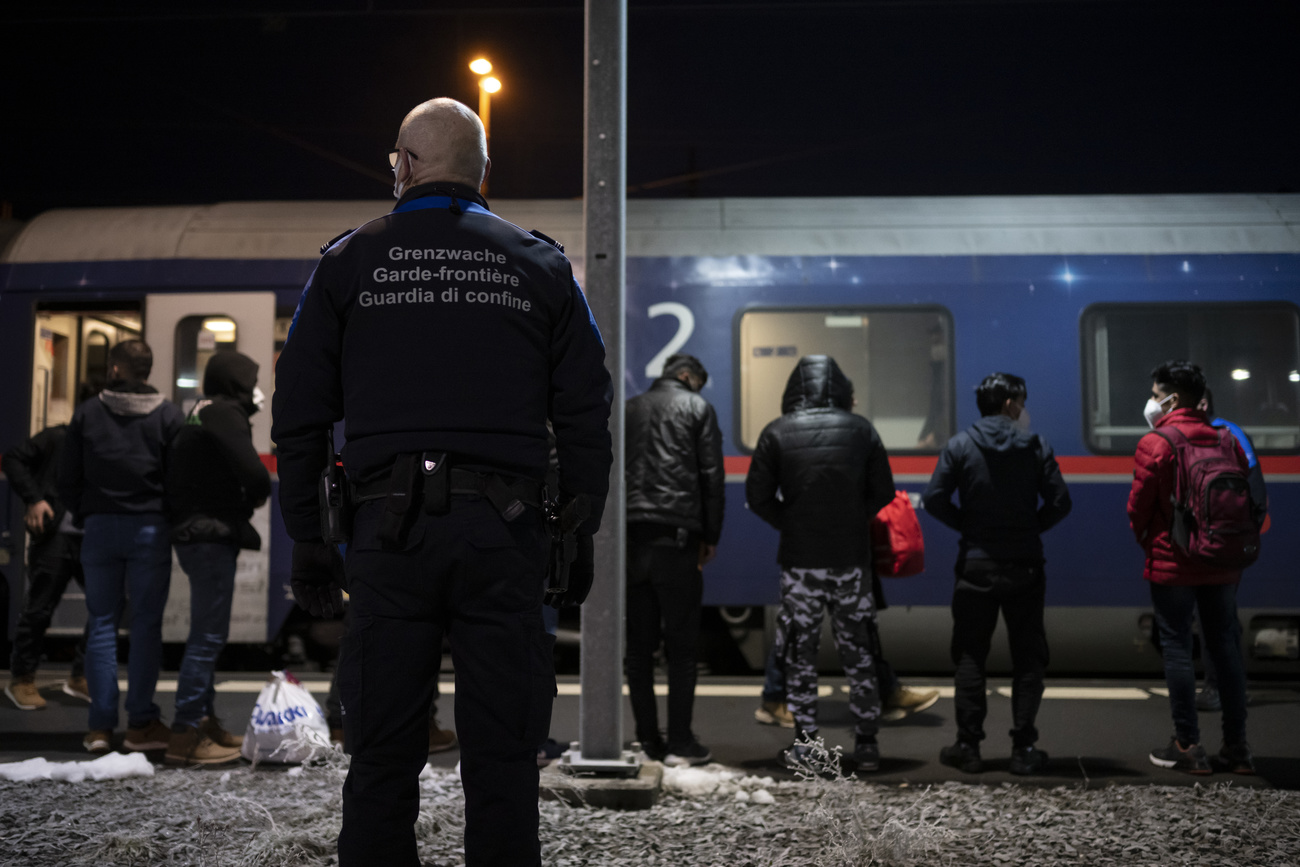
(185, 330)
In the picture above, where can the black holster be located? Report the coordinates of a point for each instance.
(333, 498)
(562, 521)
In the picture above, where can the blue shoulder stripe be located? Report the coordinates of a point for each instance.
(1242, 439)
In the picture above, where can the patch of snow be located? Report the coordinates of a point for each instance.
(114, 766)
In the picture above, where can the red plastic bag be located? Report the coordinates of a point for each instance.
(899, 549)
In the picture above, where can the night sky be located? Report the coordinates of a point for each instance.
(916, 97)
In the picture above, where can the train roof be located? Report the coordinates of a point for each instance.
(936, 226)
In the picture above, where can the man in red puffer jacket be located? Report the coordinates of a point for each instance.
(1180, 584)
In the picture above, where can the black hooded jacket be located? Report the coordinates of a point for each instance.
(1000, 472)
(215, 478)
(32, 468)
(820, 473)
(114, 456)
(674, 469)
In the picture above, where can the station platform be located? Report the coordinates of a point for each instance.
(1097, 732)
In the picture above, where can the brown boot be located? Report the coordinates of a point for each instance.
(440, 739)
(211, 726)
(22, 691)
(192, 746)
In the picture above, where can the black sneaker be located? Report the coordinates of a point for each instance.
(1191, 760)
(962, 756)
(1208, 700)
(654, 750)
(1237, 757)
(866, 754)
(694, 753)
(1028, 760)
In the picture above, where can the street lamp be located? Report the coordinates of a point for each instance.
(487, 86)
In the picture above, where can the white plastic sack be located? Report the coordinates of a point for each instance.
(287, 724)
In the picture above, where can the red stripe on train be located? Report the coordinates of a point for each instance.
(1071, 465)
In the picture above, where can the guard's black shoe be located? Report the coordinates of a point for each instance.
(1028, 760)
(962, 756)
(1176, 757)
(694, 753)
(1238, 758)
(866, 754)
(1208, 700)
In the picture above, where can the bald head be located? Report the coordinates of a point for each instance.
(448, 139)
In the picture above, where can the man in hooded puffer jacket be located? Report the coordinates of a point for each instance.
(819, 475)
(1000, 470)
(215, 479)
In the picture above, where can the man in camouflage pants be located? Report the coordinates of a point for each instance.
(819, 475)
(846, 593)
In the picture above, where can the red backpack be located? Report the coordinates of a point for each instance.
(896, 542)
(1213, 519)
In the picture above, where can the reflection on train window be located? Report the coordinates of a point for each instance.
(1250, 354)
(898, 360)
(198, 338)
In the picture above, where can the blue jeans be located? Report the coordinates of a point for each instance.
(1175, 608)
(125, 557)
(210, 567)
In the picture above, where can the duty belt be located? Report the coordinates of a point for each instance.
(508, 494)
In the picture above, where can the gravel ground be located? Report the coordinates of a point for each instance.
(247, 817)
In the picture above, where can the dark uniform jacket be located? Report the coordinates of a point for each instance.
(441, 327)
(32, 468)
(674, 469)
(113, 458)
(215, 477)
(1001, 472)
(830, 469)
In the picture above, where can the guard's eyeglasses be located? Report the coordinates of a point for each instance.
(397, 152)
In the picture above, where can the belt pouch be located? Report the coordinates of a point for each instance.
(503, 498)
(397, 505)
(437, 482)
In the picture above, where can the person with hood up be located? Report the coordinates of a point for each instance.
(1000, 471)
(819, 474)
(215, 479)
(111, 480)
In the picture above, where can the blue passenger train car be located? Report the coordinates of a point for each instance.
(917, 299)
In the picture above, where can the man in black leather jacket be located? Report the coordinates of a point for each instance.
(675, 481)
(819, 475)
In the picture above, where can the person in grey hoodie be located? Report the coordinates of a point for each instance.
(1000, 471)
(111, 481)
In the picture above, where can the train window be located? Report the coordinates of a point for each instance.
(1250, 354)
(198, 338)
(898, 359)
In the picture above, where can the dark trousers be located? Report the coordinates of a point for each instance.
(983, 589)
(51, 563)
(1221, 639)
(664, 589)
(479, 580)
(334, 705)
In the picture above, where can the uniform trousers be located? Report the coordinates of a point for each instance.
(664, 589)
(806, 594)
(984, 588)
(478, 579)
(52, 562)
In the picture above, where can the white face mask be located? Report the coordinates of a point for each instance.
(259, 399)
(1022, 421)
(1154, 410)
